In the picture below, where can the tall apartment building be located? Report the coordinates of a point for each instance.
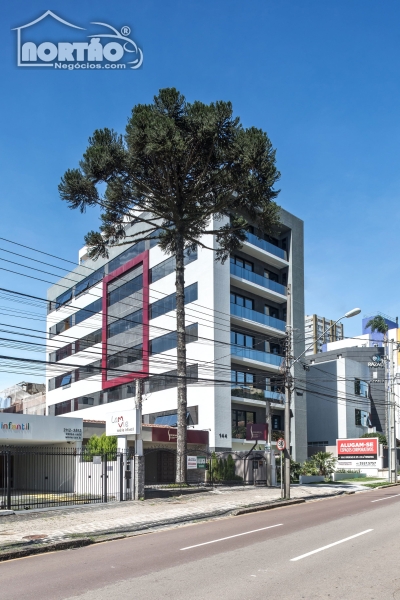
(112, 320)
(315, 326)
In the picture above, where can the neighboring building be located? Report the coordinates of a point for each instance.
(117, 322)
(24, 398)
(315, 326)
(345, 395)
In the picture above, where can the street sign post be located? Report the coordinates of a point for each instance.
(281, 445)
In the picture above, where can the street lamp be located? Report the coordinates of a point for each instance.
(288, 382)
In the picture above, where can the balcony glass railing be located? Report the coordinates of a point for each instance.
(253, 315)
(256, 394)
(265, 357)
(267, 246)
(258, 279)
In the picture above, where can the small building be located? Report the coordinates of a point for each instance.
(342, 400)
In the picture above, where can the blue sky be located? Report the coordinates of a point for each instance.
(321, 77)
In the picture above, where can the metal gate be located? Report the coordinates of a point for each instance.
(39, 478)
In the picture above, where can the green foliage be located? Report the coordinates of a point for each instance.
(377, 434)
(101, 445)
(309, 468)
(378, 324)
(184, 163)
(324, 463)
(295, 469)
(223, 469)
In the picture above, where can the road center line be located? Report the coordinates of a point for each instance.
(231, 536)
(387, 498)
(330, 545)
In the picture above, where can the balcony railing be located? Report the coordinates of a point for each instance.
(253, 315)
(249, 353)
(258, 279)
(256, 393)
(267, 246)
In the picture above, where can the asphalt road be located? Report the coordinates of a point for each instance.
(346, 547)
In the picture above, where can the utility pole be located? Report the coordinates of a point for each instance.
(139, 458)
(392, 438)
(288, 391)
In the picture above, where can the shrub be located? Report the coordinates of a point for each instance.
(380, 436)
(101, 445)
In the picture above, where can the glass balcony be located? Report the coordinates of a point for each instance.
(253, 315)
(258, 279)
(256, 394)
(249, 353)
(267, 246)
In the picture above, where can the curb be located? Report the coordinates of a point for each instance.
(270, 506)
(30, 551)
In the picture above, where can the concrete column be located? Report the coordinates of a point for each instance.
(139, 477)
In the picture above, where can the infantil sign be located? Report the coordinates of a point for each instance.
(123, 422)
(42, 429)
(50, 41)
(358, 453)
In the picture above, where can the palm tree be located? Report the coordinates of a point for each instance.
(379, 324)
(324, 462)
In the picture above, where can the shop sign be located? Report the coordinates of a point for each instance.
(38, 428)
(170, 434)
(256, 432)
(358, 453)
(124, 422)
(196, 462)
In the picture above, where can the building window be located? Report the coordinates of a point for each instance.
(242, 301)
(271, 311)
(89, 282)
(168, 266)
(169, 380)
(125, 324)
(165, 305)
(169, 340)
(270, 275)
(125, 290)
(276, 422)
(240, 339)
(362, 418)
(361, 388)
(240, 418)
(240, 262)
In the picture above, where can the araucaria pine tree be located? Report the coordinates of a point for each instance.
(185, 171)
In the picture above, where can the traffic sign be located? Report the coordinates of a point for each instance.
(280, 444)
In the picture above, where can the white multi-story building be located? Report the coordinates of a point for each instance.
(315, 327)
(113, 320)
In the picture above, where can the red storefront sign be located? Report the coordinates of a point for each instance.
(170, 434)
(357, 449)
(256, 431)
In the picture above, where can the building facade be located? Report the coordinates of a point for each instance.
(315, 327)
(114, 320)
(345, 395)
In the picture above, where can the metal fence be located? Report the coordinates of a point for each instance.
(38, 478)
(213, 469)
(45, 477)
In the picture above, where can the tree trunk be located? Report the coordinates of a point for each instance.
(181, 362)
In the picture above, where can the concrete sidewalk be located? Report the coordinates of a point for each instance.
(24, 529)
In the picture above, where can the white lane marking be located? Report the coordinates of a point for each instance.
(387, 498)
(231, 536)
(330, 545)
